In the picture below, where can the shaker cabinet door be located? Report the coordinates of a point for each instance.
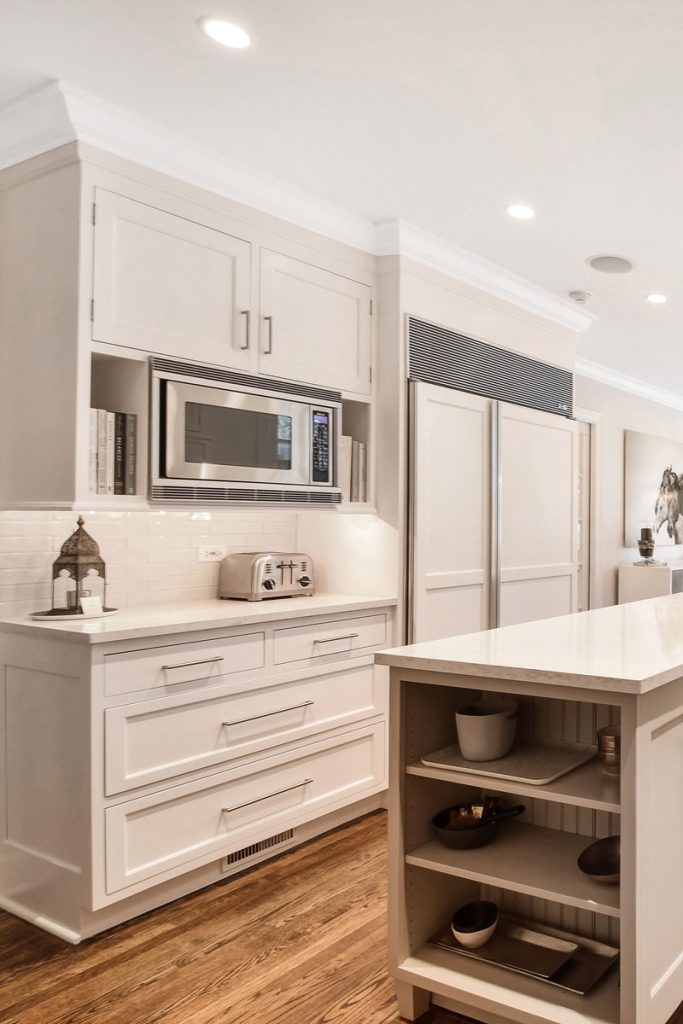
(315, 326)
(165, 284)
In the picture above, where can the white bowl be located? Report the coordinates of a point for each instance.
(474, 923)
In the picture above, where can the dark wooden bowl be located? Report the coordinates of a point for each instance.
(601, 861)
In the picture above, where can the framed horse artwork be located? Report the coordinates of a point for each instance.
(653, 488)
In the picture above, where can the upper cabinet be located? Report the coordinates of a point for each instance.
(165, 284)
(314, 325)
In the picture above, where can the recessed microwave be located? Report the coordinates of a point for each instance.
(218, 435)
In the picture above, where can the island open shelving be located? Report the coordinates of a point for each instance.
(530, 870)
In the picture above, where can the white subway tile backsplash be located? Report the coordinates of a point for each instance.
(151, 556)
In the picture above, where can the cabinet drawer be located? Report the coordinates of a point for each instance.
(202, 662)
(159, 739)
(341, 636)
(201, 821)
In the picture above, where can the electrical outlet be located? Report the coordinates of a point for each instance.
(212, 552)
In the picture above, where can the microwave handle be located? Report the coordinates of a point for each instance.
(269, 320)
(247, 336)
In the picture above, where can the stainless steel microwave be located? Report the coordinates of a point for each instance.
(218, 435)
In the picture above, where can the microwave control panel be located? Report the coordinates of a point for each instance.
(321, 461)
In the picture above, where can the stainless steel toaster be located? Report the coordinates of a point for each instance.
(258, 575)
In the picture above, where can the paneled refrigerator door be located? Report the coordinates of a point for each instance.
(538, 515)
(450, 488)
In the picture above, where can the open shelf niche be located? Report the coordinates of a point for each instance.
(530, 869)
(357, 423)
(120, 384)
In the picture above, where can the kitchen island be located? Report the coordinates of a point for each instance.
(571, 676)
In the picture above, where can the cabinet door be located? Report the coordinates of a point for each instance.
(165, 284)
(451, 512)
(314, 325)
(539, 515)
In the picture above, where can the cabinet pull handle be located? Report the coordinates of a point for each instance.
(247, 339)
(278, 792)
(269, 320)
(267, 714)
(331, 639)
(193, 664)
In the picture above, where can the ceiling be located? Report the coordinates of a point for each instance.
(439, 112)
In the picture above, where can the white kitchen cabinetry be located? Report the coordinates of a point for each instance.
(162, 283)
(315, 325)
(640, 582)
(122, 263)
(495, 508)
(135, 763)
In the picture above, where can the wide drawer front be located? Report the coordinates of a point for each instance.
(159, 739)
(201, 821)
(203, 662)
(341, 636)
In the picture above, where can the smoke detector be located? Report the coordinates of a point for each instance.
(611, 264)
(580, 297)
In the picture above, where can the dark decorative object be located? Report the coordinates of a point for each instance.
(78, 572)
(646, 544)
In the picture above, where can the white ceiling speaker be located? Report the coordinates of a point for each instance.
(580, 297)
(611, 264)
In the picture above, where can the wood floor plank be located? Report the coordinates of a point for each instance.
(300, 939)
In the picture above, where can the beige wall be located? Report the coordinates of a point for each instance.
(620, 411)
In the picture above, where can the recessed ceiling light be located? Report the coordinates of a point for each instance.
(520, 212)
(656, 299)
(225, 32)
(610, 264)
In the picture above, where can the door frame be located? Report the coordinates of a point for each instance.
(595, 583)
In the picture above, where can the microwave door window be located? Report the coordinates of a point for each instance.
(222, 436)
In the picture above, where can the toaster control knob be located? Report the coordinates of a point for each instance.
(269, 584)
(305, 581)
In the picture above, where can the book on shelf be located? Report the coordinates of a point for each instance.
(346, 458)
(358, 471)
(112, 461)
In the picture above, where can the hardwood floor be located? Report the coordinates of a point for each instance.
(297, 940)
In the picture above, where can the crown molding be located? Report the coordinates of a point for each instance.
(397, 237)
(34, 124)
(58, 113)
(631, 385)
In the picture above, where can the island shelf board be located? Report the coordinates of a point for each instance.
(536, 861)
(493, 990)
(587, 786)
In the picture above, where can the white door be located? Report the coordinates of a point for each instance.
(538, 515)
(315, 326)
(451, 512)
(166, 284)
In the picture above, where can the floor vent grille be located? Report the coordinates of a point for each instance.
(263, 844)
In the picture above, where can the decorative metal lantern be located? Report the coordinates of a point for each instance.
(78, 572)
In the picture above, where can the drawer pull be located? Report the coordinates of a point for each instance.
(267, 714)
(278, 792)
(332, 639)
(193, 664)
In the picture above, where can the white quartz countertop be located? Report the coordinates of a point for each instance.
(630, 648)
(159, 620)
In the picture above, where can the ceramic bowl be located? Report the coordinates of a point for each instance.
(486, 729)
(601, 861)
(474, 923)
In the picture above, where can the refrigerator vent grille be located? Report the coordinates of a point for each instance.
(215, 374)
(440, 356)
(263, 844)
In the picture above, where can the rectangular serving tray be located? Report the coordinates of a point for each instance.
(578, 973)
(518, 947)
(534, 764)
